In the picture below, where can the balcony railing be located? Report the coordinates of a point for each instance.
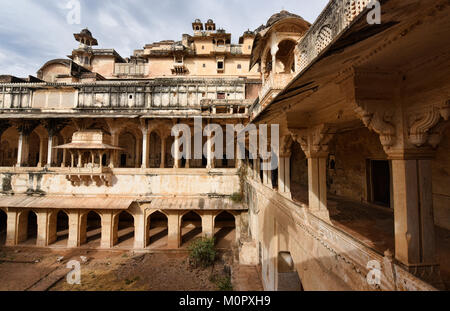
(276, 82)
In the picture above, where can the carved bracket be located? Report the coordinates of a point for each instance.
(380, 123)
(314, 141)
(429, 127)
(418, 130)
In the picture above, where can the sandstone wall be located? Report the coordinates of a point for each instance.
(351, 150)
(126, 183)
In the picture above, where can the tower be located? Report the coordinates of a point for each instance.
(83, 54)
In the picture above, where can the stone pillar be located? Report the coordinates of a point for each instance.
(139, 231)
(12, 227)
(50, 149)
(163, 152)
(23, 149)
(107, 240)
(72, 159)
(314, 142)
(77, 229)
(209, 153)
(145, 149)
(284, 175)
(174, 236)
(317, 184)
(63, 164)
(80, 159)
(176, 160)
(208, 224)
(115, 154)
(267, 174)
(413, 212)
(41, 152)
(42, 228)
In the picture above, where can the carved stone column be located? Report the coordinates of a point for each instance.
(41, 151)
(284, 167)
(410, 140)
(314, 142)
(176, 154)
(145, 148)
(209, 153)
(22, 152)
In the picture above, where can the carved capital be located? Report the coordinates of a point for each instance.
(314, 141)
(26, 127)
(53, 126)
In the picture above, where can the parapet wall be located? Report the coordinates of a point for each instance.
(325, 257)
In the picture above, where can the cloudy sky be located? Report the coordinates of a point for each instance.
(35, 31)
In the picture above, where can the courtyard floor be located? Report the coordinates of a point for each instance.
(31, 268)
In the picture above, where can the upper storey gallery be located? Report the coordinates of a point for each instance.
(207, 53)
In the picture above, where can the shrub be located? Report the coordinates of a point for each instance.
(202, 252)
(236, 197)
(224, 284)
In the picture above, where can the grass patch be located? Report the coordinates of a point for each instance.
(223, 283)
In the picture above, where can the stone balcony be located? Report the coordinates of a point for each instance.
(86, 175)
(271, 87)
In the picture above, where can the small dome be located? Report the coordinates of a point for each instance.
(86, 31)
(279, 16)
(198, 21)
(210, 21)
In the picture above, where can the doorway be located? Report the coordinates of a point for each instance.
(379, 182)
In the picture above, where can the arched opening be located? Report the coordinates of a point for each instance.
(62, 228)
(169, 159)
(191, 227)
(34, 148)
(125, 229)
(3, 224)
(9, 143)
(28, 228)
(288, 278)
(157, 230)
(93, 229)
(127, 156)
(227, 162)
(155, 150)
(285, 57)
(224, 230)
